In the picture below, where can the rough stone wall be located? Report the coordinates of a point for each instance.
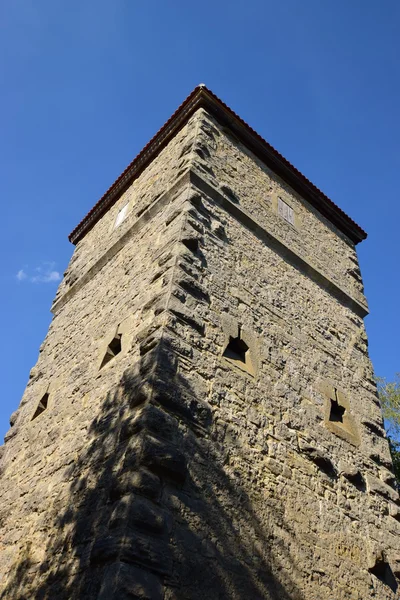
(180, 471)
(51, 470)
(320, 510)
(226, 163)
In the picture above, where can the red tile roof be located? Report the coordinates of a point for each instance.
(201, 96)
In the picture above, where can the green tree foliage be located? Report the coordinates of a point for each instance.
(389, 395)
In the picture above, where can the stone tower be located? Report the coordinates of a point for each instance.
(202, 421)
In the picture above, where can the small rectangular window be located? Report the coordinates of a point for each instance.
(121, 215)
(285, 211)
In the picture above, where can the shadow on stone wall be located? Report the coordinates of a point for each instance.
(151, 512)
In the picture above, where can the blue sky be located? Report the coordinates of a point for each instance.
(85, 84)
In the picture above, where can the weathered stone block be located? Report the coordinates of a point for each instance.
(376, 486)
(134, 511)
(164, 459)
(127, 582)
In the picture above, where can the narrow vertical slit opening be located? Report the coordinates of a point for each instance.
(384, 573)
(41, 407)
(113, 348)
(238, 352)
(337, 411)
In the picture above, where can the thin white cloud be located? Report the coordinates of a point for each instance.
(45, 273)
(46, 277)
(21, 275)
